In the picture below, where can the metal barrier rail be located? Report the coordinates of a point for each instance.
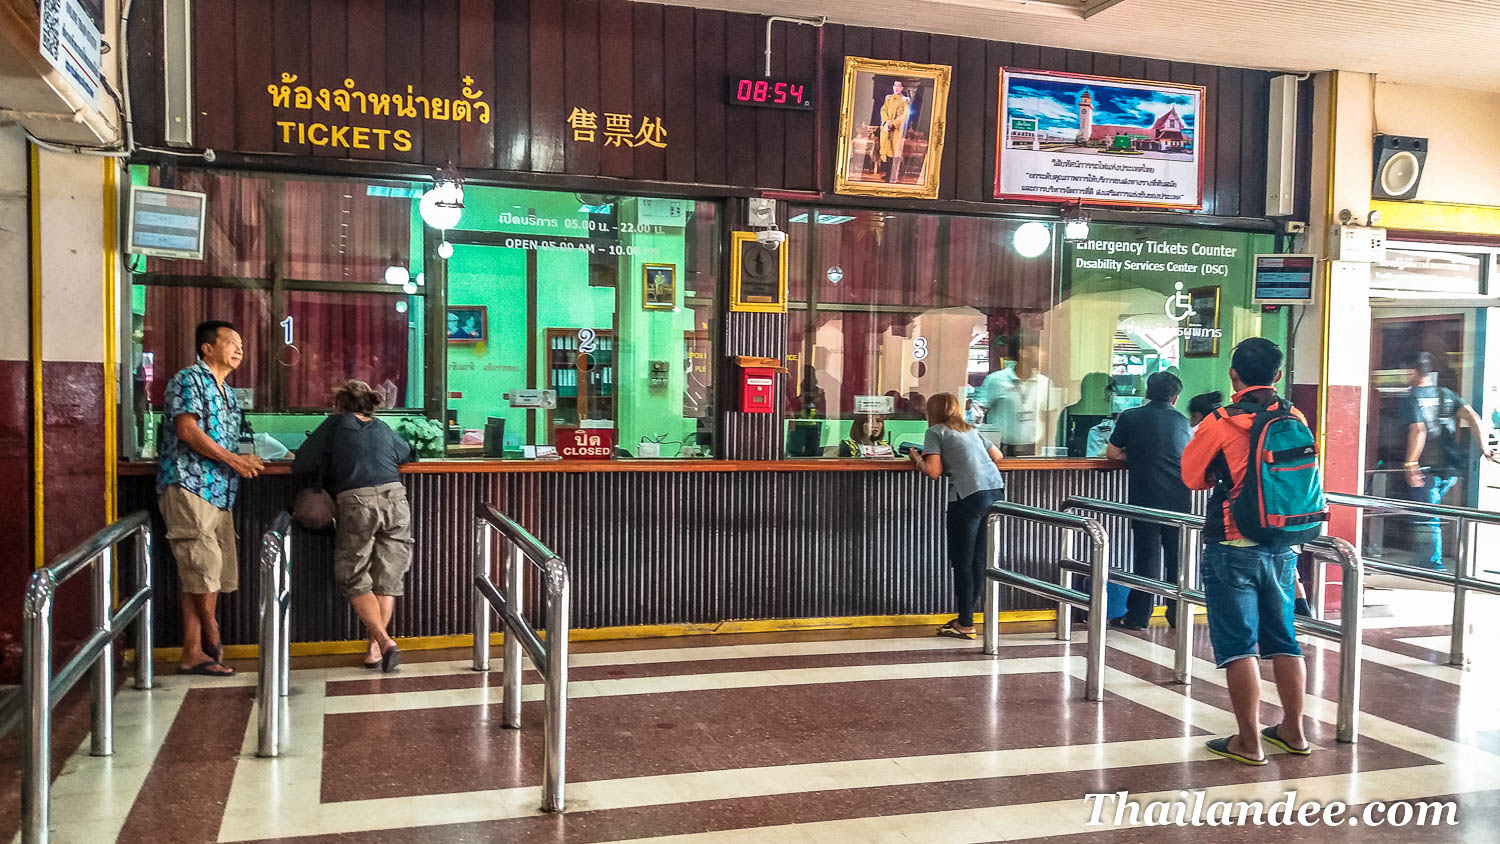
(275, 667)
(1095, 601)
(41, 689)
(1461, 579)
(550, 658)
(1349, 632)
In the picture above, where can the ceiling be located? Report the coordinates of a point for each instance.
(1441, 43)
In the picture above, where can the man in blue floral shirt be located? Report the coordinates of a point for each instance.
(197, 478)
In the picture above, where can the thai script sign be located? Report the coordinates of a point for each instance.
(348, 100)
(586, 443)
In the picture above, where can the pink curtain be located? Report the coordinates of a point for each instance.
(235, 235)
(347, 335)
(173, 312)
(336, 231)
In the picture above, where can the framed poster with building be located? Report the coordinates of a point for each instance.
(1200, 337)
(757, 276)
(1070, 137)
(658, 287)
(891, 124)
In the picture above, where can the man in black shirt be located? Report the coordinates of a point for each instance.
(1430, 416)
(1150, 440)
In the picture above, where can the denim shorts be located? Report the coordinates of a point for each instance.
(1250, 595)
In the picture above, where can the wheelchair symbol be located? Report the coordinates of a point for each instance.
(1180, 305)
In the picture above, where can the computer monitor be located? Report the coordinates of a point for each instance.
(1284, 279)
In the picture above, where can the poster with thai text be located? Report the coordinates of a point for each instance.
(1098, 140)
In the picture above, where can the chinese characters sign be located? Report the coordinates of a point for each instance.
(618, 130)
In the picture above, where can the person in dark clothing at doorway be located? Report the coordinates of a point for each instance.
(1150, 440)
(1430, 416)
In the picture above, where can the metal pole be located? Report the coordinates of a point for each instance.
(1318, 595)
(1462, 567)
(1351, 621)
(1098, 611)
(269, 692)
(555, 731)
(991, 586)
(1064, 629)
(144, 658)
(478, 603)
(515, 612)
(284, 613)
(36, 687)
(1187, 571)
(102, 681)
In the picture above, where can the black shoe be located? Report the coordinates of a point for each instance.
(1127, 624)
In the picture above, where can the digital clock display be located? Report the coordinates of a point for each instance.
(771, 92)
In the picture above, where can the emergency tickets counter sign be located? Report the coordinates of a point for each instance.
(1067, 137)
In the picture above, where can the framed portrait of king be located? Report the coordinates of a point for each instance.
(891, 123)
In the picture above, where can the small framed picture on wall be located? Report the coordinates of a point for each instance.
(1201, 333)
(468, 324)
(757, 276)
(659, 287)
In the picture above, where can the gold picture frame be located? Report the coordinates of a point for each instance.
(874, 157)
(658, 287)
(1202, 340)
(757, 293)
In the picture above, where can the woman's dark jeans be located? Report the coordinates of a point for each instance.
(966, 549)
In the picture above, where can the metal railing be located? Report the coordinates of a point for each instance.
(550, 658)
(1461, 579)
(1065, 596)
(1348, 632)
(275, 668)
(42, 689)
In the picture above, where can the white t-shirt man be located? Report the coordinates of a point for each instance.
(1014, 407)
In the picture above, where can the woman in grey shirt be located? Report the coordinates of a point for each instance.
(954, 448)
(358, 458)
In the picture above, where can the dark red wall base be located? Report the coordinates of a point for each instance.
(15, 512)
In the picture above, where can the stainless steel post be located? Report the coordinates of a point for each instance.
(1064, 630)
(102, 678)
(144, 658)
(1352, 625)
(479, 604)
(1317, 596)
(555, 731)
(36, 689)
(515, 611)
(1187, 571)
(1098, 611)
(269, 691)
(284, 613)
(1463, 566)
(991, 586)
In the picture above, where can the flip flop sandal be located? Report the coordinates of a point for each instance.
(951, 630)
(205, 669)
(215, 653)
(390, 659)
(373, 665)
(1220, 747)
(1272, 735)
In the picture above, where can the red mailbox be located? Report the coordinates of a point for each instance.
(758, 384)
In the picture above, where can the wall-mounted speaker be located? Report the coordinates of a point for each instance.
(1399, 160)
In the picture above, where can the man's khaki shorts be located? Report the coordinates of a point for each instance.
(202, 540)
(372, 550)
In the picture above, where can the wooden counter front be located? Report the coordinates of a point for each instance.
(439, 466)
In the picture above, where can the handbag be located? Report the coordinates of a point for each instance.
(313, 509)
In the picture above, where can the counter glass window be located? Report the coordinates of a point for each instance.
(1045, 341)
(560, 313)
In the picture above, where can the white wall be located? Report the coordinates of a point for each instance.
(1463, 129)
(15, 231)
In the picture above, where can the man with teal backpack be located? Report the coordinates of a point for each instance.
(1261, 461)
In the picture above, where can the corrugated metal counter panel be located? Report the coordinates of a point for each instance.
(656, 547)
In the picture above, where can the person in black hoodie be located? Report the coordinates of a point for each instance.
(357, 458)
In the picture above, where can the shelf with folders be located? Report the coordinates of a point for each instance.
(570, 372)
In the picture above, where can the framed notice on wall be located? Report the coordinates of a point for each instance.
(1067, 137)
(757, 276)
